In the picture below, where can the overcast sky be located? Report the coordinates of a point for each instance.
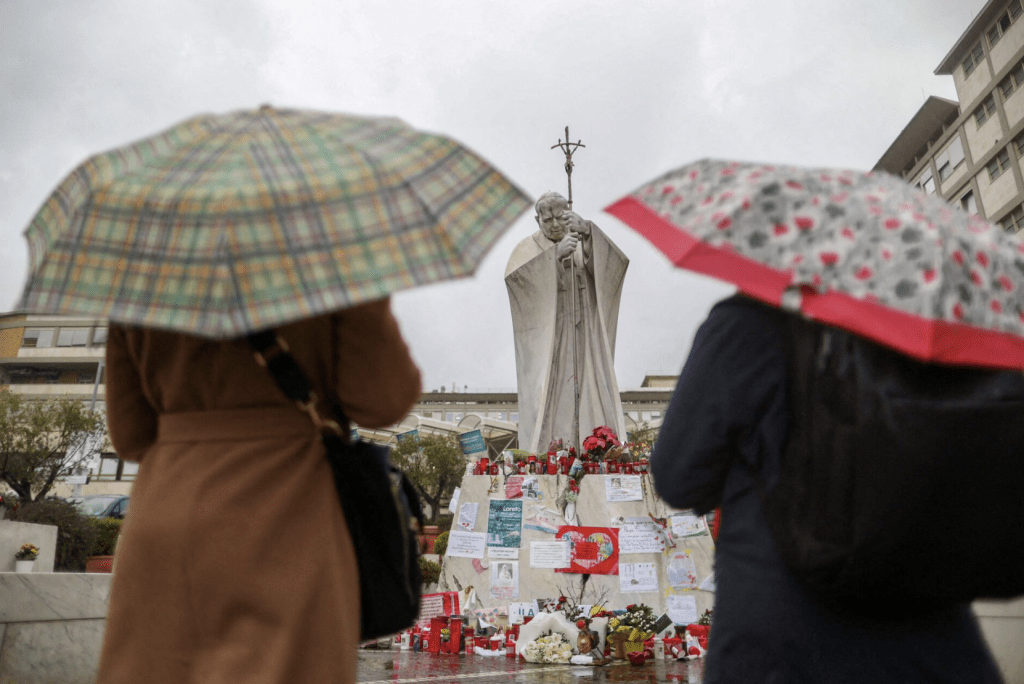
(647, 85)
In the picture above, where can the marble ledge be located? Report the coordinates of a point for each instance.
(44, 596)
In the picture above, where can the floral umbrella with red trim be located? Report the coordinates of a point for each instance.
(863, 251)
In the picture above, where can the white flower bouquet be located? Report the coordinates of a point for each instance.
(552, 648)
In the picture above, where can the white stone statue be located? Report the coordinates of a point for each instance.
(538, 279)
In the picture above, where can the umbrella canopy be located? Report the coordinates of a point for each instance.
(863, 251)
(229, 224)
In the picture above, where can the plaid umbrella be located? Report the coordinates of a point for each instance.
(865, 252)
(230, 224)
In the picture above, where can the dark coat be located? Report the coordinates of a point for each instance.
(729, 414)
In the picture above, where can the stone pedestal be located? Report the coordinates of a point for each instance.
(51, 627)
(592, 510)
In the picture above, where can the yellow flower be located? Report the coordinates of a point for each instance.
(634, 635)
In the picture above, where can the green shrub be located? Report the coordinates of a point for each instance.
(107, 530)
(430, 570)
(444, 522)
(441, 544)
(75, 532)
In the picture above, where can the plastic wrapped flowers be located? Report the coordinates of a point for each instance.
(548, 649)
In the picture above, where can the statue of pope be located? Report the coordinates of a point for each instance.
(539, 282)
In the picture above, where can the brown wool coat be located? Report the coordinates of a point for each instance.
(235, 564)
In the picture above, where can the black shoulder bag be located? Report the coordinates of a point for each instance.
(381, 505)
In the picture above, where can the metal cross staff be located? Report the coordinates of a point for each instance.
(568, 149)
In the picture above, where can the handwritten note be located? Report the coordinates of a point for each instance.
(687, 525)
(467, 515)
(640, 538)
(681, 571)
(682, 609)
(466, 544)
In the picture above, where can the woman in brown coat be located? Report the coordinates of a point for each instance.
(235, 563)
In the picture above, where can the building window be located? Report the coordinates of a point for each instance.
(1004, 21)
(929, 184)
(99, 337)
(985, 110)
(1012, 81)
(969, 204)
(72, 337)
(1013, 221)
(1000, 163)
(37, 337)
(950, 158)
(973, 60)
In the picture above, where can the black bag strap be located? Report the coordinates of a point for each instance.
(272, 352)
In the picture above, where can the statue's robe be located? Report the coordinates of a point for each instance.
(538, 291)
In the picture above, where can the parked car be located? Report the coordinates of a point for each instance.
(104, 505)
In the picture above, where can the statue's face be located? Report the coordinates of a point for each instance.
(551, 220)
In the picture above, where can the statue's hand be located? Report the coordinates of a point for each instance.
(566, 246)
(575, 223)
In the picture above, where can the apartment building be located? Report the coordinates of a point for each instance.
(971, 151)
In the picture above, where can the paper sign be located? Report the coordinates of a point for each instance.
(505, 523)
(505, 580)
(467, 515)
(453, 505)
(688, 525)
(531, 489)
(708, 584)
(503, 553)
(436, 605)
(540, 518)
(623, 488)
(466, 544)
(637, 578)
(472, 442)
(682, 573)
(593, 550)
(518, 611)
(682, 609)
(544, 554)
(514, 486)
(640, 538)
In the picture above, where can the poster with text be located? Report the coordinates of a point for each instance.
(623, 488)
(505, 523)
(545, 554)
(592, 550)
(637, 578)
(505, 580)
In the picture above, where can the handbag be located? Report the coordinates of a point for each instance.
(381, 506)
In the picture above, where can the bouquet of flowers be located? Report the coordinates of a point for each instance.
(551, 648)
(636, 624)
(27, 552)
(602, 442)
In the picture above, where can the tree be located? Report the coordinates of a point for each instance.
(435, 465)
(41, 440)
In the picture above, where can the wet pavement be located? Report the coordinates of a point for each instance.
(394, 667)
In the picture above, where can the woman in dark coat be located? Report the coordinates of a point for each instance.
(729, 414)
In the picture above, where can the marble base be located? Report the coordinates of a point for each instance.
(64, 652)
(51, 627)
(592, 510)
